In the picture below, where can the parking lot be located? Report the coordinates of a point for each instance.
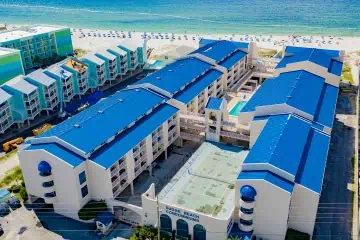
(335, 213)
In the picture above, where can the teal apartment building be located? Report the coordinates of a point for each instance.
(48, 92)
(136, 54)
(121, 60)
(38, 42)
(6, 119)
(24, 97)
(64, 82)
(110, 64)
(25, 103)
(10, 64)
(97, 70)
(80, 75)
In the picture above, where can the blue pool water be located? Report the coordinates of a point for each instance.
(157, 64)
(237, 108)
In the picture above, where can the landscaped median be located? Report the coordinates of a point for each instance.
(346, 74)
(14, 182)
(91, 210)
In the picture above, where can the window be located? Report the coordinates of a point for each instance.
(82, 177)
(84, 191)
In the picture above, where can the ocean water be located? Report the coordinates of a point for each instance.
(311, 17)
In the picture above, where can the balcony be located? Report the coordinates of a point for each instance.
(122, 164)
(3, 108)
(114, 171)
(115, 182)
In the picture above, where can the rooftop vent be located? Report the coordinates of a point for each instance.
(137, 90)
(101, 111)
(288, 96)
(158, 78)
(170, 70)
(120, 100)
(77, 125)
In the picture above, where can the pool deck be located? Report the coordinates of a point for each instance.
(205, 184)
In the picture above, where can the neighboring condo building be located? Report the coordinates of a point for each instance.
(38, 42)
(64, 80)
(80, 75)
(25, 103)
(69, 78)
(48, 92)
(10, 64)
(256, 192)
(6, 119)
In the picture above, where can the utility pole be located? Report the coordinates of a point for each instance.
(62, 78)
(158, 216)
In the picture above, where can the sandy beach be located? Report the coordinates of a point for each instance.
(95, 39)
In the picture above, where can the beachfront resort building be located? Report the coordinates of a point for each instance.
(10, 64)
(38, 42)
(249, 190)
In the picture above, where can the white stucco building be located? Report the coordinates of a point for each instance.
(222, 190)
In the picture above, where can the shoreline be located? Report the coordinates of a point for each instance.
(275, 33)
(94, 39)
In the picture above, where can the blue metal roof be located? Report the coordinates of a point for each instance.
(205, 41)
(112, 152)
(176, 75)
(105, 119)
(280, 143)
(233, 59)
(58, 151)
(218, 50)
(312, 168)
(322, 57)
(214, 103)
(195, 88)
(299, 89)
(267, 176)
(327, 105)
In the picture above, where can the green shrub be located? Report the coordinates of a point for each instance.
(15, 188)
(92, 209)
(292, 234)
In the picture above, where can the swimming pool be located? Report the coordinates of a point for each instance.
(237, 108)
(157, 64)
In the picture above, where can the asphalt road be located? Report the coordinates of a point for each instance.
(334, 217)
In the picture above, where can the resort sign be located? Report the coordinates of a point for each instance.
(182, 214)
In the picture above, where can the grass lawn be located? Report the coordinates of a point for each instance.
(92, 209)
(8, 155)
(292, 234)
(266, 52)
(12, 176)
(346, 74)
(15, 182)
(79, 52)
